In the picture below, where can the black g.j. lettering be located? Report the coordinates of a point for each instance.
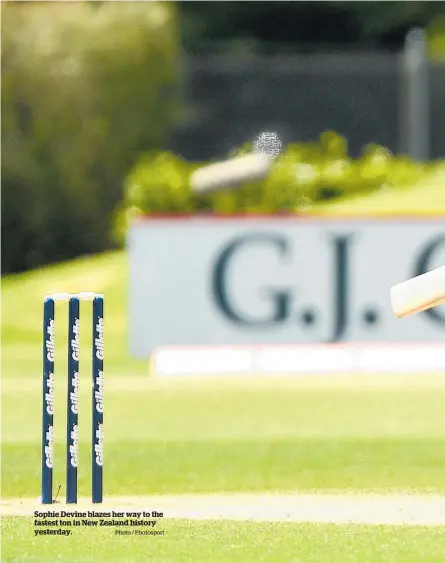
(281, 299)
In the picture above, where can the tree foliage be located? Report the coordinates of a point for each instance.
(85, 88)
(361, 24)
(436, 39)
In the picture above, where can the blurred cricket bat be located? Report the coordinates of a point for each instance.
(231, 173)
(419, 293)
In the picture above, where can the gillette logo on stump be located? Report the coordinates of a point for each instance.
(99, 339)
(50, 342)
(75, 342)
(74, 446)
(49, 447)
(99, 392)
(99, 445)
(74, 394)
(49, 395)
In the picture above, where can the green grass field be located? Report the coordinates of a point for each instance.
(341, 434)
(233, 542)
(286, 435)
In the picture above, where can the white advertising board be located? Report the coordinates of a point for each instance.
(277, 280)
(305, 359)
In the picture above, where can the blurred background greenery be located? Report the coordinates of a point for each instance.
(86, 87)
(92, 91)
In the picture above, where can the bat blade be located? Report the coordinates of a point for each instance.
(419, 293)
(231, 173)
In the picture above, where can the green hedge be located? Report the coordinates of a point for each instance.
(436, 39)
(304, 174)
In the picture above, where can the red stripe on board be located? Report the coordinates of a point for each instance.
(215, 217)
